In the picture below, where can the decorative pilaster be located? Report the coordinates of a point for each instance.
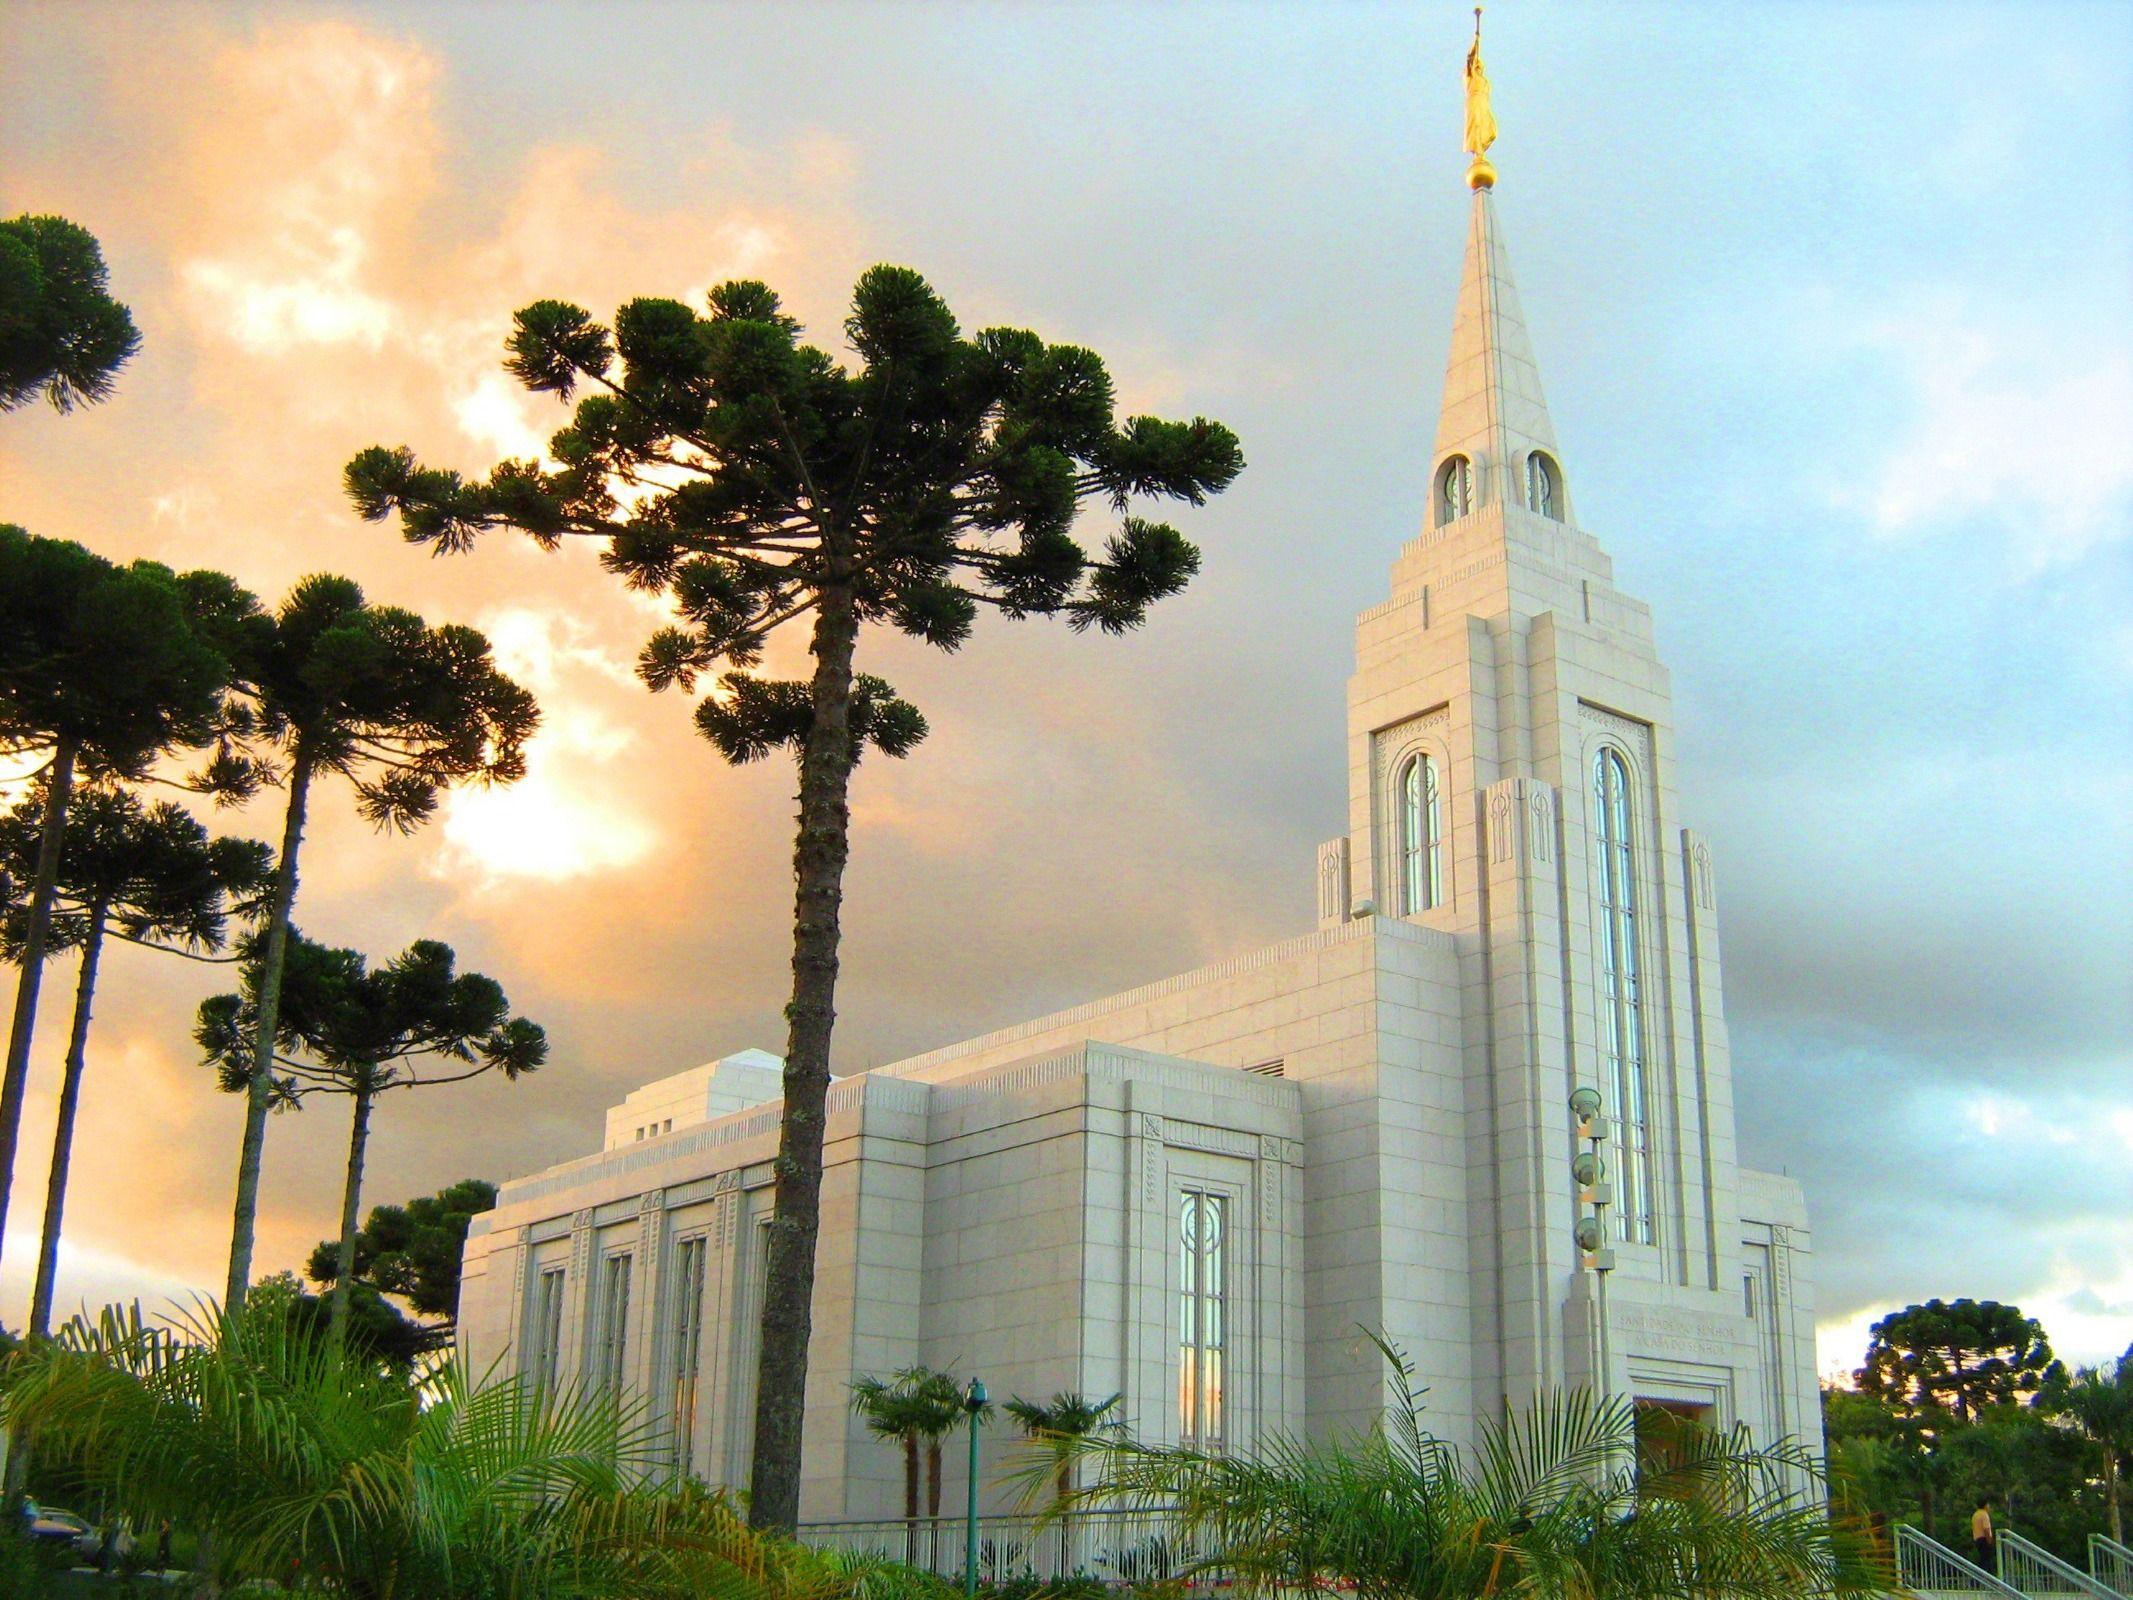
(650, 1268)
(1528, 1081)
(1333, 892)
(573, 1358)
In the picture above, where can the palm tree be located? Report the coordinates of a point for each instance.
(943, 1410)
(2100, 1401)
(148, 875)
(916, 1409)
(1054, 1427)
(401, 710)
(1065, 1418)
(349, 1029)
(311, 1471)
(893, 1409)
(1550, 1504)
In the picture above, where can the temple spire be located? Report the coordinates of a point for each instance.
(1494, 415)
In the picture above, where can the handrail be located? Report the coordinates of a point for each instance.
(2035, 1570)
(2111, 1562)
(1925, 1564)
(1122, 1544)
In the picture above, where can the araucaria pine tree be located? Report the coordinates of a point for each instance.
(61, 334)
(758, 483)
(347, 1028)
(103, 669)
(145, 874)
(335, 685)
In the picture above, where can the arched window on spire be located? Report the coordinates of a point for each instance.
(1421, 836)
(1455, 489)
(1614, 823)
(1544, 485)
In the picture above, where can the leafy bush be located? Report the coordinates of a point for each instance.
(303, 1468)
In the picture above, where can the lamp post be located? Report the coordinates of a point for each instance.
(1590, 1173)
(974, 1403)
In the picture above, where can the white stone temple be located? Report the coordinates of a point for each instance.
(1198, 1194)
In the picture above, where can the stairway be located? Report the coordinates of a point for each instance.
(1929, 1570)
(2035, 1571)
(2111, 1563)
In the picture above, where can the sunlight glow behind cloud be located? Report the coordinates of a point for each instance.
(571, 815)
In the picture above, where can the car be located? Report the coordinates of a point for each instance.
(50, 1526)
(54, 1528)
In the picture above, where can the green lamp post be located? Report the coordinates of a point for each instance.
(974, 1403)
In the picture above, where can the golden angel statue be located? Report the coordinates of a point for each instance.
(1480, 120)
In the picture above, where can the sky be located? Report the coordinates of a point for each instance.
(1834, 308)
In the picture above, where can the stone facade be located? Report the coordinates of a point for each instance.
(1199, 1193)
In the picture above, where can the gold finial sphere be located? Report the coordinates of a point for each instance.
(1481, 175)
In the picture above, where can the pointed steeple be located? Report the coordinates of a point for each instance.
(1494, 415)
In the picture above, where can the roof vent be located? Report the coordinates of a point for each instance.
(1269, 1069)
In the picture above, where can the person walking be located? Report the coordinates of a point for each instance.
(1982, 1536)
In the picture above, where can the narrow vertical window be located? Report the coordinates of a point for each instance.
(1202, 1324)
(545, 1346)
(688, 1346)
(1455, 489)
(1544, 486)
(1614, 816)
(1421, 837)
(614, 1322)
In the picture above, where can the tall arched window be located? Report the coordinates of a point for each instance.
(1544, 485)
(1421, 837)
(1455, 489)
(1614, 823)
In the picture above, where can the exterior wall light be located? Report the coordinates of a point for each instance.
(1585, 1106)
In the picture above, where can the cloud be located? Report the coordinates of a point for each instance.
(318, 268)
(335, 150)
(574, 813)
(2014, 422)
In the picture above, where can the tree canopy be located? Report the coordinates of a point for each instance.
(160, 877)
(347, 1027)
(1956, 1357)
(125, 662)
(62, 335)
(413, 1252)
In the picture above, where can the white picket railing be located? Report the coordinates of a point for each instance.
(1116, 1544)
(1927, 1567)
(2038, 1573)
(2111, 1562)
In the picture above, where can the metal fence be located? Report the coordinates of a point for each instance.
(1116, 1545)
(2111, 1562)
(2037, 1572)
(1927, 1567)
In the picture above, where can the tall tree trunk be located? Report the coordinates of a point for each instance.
(910, 1499)
(818, 867)
(268, 993)
(2110, 1491)
(55, 1184)
(933, 1477)
(351, 1207)
(58, 791)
